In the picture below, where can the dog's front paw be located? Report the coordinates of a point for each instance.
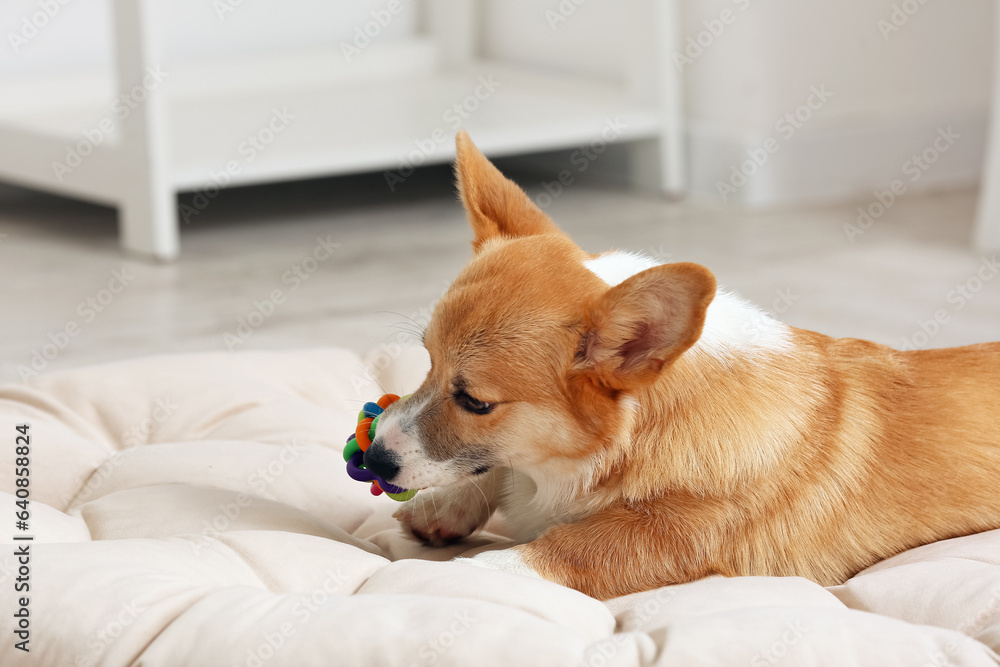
(504, 560)
(443, 516)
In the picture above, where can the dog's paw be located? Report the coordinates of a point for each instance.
(503, 560)
(443, 516)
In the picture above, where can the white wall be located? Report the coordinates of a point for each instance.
(77, 37)
(889, 95)
(591, 41)
(937, 63)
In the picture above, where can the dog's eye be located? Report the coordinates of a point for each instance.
(473, 405)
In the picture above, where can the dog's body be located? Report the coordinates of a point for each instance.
(640, 428)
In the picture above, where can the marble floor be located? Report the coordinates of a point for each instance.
(345, 262)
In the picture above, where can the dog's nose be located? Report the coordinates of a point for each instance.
(382, 461)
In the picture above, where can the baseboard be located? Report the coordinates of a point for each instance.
(829, 164)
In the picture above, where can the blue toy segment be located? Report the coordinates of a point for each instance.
(372, 409)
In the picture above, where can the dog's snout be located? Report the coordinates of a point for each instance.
(381, 461)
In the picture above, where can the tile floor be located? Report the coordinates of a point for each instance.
(396, 253)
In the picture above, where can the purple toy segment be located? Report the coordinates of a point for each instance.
(389, 488)
(357, 472)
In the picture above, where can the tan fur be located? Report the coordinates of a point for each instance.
(814, 461)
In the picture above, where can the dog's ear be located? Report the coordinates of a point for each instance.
(496, 207)
(640, 326)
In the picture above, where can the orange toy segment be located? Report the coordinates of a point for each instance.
(361, 433)
(387, 400)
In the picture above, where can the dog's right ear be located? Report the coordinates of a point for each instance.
(640, 326)
(496, 207)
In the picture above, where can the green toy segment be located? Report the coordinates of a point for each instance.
(351, 447)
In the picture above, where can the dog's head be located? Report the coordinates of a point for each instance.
(532, 352)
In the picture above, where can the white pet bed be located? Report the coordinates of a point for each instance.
(194, 510)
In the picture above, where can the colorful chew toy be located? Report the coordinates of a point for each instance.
(359, 442)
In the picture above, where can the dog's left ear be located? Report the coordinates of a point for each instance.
(495, 205)
(640, 326)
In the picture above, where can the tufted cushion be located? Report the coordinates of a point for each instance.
(194, 510)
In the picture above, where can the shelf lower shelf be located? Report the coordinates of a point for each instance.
(288, 132)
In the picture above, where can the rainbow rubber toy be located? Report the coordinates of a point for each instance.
(359, 442)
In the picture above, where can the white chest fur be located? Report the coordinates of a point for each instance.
(533, 503)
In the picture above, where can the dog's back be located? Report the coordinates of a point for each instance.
(905, 451)
(817, 461)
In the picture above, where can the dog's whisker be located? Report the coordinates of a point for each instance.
(395, 333)
(486, 502)
(415, 336)
(434, 503)
(404, 327)
(374, 379)
(420, 327)
(424, 507)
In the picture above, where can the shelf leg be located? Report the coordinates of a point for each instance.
(673, 137)
(987, 233)
(455, 26)
(652, 168)
(147, 214)
(147, 222)
(658, 164)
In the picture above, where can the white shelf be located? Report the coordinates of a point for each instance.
(386, 110)
(357, 127)
(375, 126)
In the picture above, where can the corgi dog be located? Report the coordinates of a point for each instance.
(639, 427)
